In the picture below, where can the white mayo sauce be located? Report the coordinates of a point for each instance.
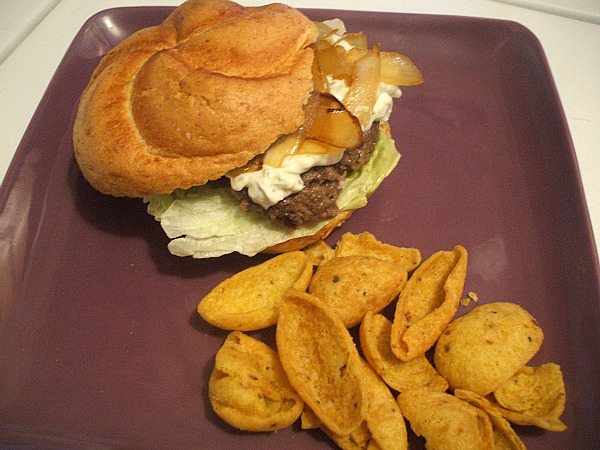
(270, 185)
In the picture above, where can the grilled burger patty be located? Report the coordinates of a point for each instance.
(322, 187)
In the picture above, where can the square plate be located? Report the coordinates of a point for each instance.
(100, 342)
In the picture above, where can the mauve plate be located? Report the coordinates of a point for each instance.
(99, 340)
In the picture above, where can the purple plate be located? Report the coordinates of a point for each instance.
(99, 340)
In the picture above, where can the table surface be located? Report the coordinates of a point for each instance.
(34, 35)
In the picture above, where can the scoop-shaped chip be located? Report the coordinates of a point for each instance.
(353, 285)
(321, 361)
(533, 396)
(418, 373)
(250, 299)
(367, 244)
(384, 427)
(359, 439)
(445, 421)
(308, 419)
(484, 348)
(248, 387)
(383, 416)
(505, 437)
(428, 302)
(319, 252)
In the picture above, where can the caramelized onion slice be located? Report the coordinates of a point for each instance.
(334, 125)
(363, 92)
(398, 69)
(291, 144)
(311, 112)
(314, 147)
(252, 166)
(333, 61)
(320, 82)
(358, 40)
(329, 128)
(286, 145)
(324, 30)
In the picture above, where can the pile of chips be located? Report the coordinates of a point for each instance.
(459, 382)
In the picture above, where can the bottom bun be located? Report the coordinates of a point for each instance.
(304, 241)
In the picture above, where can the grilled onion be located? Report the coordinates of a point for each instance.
(363, 92)
(398, 69)
(329, 128)
(334, 125)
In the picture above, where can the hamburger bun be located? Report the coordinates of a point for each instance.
(216, 84)
(244, 71)
(302, 242)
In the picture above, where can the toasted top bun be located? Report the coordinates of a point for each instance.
(182, 103)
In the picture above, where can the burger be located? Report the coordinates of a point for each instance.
(244, 129)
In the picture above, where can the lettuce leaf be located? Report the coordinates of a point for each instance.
(206, 222)
(362, 183)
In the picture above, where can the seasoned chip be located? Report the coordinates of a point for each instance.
(399, 375)
(353, 285)
(484, 348)
(534, 396)
(373, 445)
(384, 427)
(250, 299)
(319, 252)
(428, 302)
(367, 245)
(383, 416)
(505, 438)
(248, 387)
(308, 419)
(321, 361)
(359, 439)
(320, 377)
(445, 421)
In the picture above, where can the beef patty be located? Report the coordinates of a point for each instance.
(322, 187)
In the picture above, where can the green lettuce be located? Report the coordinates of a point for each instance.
(206, 222)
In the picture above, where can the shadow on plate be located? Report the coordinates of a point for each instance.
(127, 217)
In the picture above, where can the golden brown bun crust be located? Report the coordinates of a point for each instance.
(301, 242)
(182, 103)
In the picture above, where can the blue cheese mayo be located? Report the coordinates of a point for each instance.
(270, 185)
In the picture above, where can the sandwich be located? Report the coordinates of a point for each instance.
(244, 129)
